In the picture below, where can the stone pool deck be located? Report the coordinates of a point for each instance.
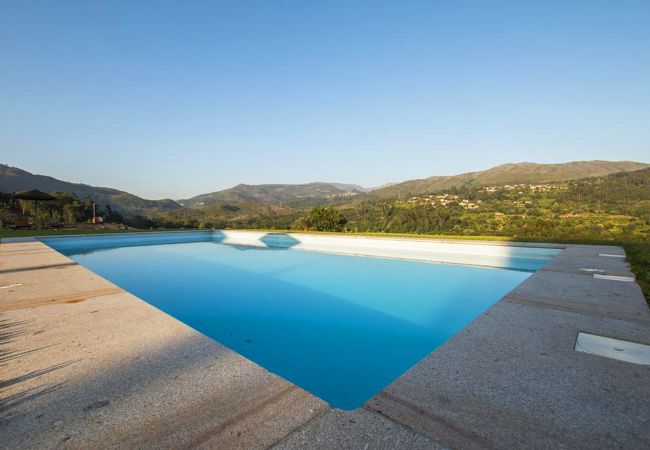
(84, 364)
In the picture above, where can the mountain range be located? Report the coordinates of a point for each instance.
(13, 179)
(273, 196)
(524, 172)
(273, 193)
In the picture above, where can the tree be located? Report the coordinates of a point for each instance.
(112, 215)
(323, 219)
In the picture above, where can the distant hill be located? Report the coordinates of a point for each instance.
(245, 201)
(385, 185)
(349, 187)
(624, 187)
(524, 172)
(296, 195)
(13, 179)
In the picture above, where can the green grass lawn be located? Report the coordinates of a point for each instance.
(638, 253)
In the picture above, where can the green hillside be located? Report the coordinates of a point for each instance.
(13, 179)
(487, 202)
(611, 207)
(296, 195)
(524, 172)
(615, 206)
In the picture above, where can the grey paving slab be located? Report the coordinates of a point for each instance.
(586, 265)
(63, 283)
(592, 250)
(583, 293)
(513, 380)
(359, 429)
(16, 240)
(29, 255)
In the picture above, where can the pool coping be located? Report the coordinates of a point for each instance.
(418, 409)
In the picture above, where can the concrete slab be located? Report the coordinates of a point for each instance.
(28, 255)
(16, 257)
(578, 264)
(583, 293)
(360, 429)
(592, 250)
(63, 283)
(513, 380)
(32, 274)
(16, 240)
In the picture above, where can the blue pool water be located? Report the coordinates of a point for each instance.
(341, 327)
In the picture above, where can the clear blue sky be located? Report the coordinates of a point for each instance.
(177, 98)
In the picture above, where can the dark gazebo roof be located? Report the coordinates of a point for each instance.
(34, 194)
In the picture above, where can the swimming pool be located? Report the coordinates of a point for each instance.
(341, 326)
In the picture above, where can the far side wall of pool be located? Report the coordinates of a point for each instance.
(478, 254)
(518, 256)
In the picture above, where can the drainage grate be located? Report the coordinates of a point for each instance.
(627, 351)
